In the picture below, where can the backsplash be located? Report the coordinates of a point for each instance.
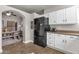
(74, 27)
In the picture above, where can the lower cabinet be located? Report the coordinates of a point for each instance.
(72, 44)
(67, 43)
(59, 41)
(50, 39)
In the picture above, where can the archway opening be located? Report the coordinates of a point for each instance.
(12, 27)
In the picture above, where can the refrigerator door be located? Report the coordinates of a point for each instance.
(39, 32)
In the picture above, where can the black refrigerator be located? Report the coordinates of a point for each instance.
(40, 26)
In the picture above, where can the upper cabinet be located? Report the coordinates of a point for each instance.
(52, 18)
(61, 16)
(71, 15)
(64, 16)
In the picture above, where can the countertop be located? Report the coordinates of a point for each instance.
(66, 32)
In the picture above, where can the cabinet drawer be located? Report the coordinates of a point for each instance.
(72, 37)
(50, 40)
(49, 36)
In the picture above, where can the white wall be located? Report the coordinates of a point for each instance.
(32, 30)
(26, 23)
(0, 33)
(67, 27)
(11, 18)
(33, 15)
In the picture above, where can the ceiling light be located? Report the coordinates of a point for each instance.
(8, 13)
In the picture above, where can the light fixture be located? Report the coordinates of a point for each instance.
(8, 13)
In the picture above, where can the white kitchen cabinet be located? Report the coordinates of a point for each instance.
(59, 41)
(61, 16)
(50, 39)
(52, 18)
(57, 17)
(55, 40)
(71, 15)
(67, 43)
(72, 44)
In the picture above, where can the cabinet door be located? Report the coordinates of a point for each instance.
(71, 15)
(61, 16)
(52, 18)
(72, 44)
(50, 39)
(59, 41)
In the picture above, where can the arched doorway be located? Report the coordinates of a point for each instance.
(12, 27)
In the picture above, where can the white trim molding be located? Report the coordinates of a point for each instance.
(28, 41)
(1, 50)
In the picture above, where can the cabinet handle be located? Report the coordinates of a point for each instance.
(65, 20)
(49, 38)
(71, 37)
(63, 40)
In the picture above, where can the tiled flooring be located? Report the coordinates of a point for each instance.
(29, 48)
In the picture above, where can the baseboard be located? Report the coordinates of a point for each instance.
(1, 50)
(66, 52)
(28, 41)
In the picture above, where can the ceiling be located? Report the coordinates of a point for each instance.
(37, 8)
